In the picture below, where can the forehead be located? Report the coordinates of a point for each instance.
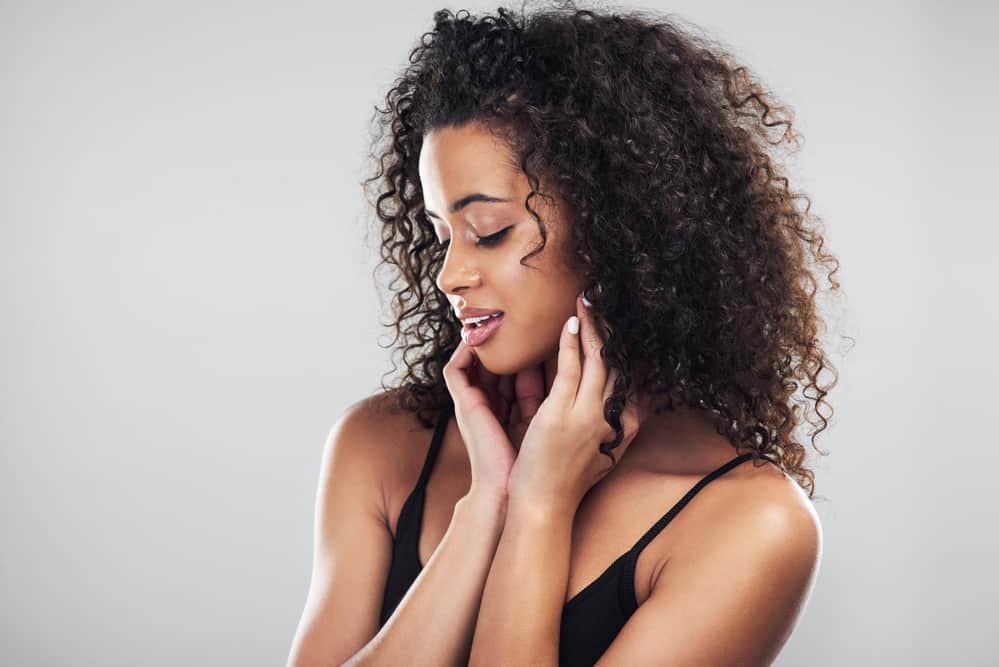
(455, 161)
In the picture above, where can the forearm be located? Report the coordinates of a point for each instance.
(522, 602)
(434, 621)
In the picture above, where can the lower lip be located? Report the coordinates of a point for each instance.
(475, 336)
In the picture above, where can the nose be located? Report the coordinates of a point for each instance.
(457, 273)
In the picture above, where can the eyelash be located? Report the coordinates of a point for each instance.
(490, 240)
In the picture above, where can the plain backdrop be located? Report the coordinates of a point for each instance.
(188, 306)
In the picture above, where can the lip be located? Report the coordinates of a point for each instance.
(475, 336)
(464, 313)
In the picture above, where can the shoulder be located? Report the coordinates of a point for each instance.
(763, 517)
(376, 440)
(376, 424)
(732, 592)
(735, 579)
(379, 415)
(747, 575)
(765, 502)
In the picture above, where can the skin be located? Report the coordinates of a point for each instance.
(557, 537)
(455, 162)
(452, 165)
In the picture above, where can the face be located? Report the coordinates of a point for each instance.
(486, 239)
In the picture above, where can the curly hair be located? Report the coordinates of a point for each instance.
(701, 267)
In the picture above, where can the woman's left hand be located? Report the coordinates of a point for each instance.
(559, 459)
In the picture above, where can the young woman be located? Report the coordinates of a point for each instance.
(608, 480)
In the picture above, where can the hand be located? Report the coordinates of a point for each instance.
(515, 398)
(513, 401)
(559, 460)
(476, 405)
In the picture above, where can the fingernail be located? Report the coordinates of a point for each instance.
(574, 325)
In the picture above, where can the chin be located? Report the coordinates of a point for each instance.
(496, 360)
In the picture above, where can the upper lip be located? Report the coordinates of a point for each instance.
(464, 313)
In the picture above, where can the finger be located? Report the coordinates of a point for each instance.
(594, 369)
(460, 364)
(566, 383)
(529, 389)
(489, 382)
(456, 376)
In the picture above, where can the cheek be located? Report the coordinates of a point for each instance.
(548, 306)
(541, 290)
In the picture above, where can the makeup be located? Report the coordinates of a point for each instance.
(477, 335)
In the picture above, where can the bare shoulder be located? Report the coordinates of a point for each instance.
(732, 591)
(379, 415)
(760, 511)
(764, 501)
(382, 439)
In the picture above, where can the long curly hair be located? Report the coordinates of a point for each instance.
(701, 266)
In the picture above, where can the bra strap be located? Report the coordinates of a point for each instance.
(673, 511)
(443, 417)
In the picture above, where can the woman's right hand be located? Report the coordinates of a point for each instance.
(477, 403)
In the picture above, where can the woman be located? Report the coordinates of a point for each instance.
(606, 285)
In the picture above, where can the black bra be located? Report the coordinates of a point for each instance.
(592, 618)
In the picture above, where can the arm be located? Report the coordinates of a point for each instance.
(731, 600)
(448, 591)
(558, 462)
(352, 553)
(522, 603)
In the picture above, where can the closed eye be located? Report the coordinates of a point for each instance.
(490, 240)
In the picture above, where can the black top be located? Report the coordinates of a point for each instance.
(591, 619)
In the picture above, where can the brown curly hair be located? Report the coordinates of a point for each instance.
(698, 260)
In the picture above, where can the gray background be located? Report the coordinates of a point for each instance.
(188, 306)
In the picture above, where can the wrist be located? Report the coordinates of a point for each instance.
(486, 499)
(543, 508)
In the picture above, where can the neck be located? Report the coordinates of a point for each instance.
(677, 439)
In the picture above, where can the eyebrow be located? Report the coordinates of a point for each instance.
(459, 204)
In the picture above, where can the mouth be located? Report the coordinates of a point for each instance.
(479, 330)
